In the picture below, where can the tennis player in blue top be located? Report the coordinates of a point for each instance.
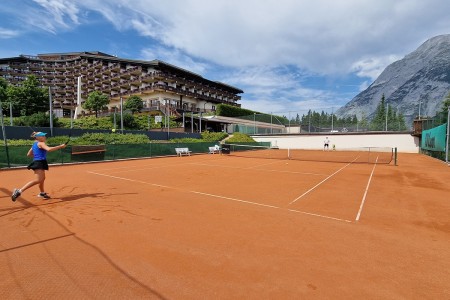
(39, 165)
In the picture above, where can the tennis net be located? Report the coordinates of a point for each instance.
(369, 155)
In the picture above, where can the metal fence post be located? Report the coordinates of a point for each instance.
(4, 136)
(448, 135)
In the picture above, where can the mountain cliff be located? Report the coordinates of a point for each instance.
(420, 80)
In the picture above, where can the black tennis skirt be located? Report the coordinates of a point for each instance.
(38, 165)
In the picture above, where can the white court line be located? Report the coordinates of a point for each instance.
(268, 170)
(234, 199)
(365, 193)
(218, 196)
(314, 187)
(317, 215)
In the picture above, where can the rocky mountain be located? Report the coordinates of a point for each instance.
(420, 80)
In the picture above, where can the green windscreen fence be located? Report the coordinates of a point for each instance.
(434, 139)
(434, 142)
(18, 158)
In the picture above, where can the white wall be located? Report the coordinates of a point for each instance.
(403, 141)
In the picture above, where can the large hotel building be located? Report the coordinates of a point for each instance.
(72, 76)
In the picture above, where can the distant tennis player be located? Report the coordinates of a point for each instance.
(39, 165)
(326, 144)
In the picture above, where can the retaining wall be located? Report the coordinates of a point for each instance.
(404, 142)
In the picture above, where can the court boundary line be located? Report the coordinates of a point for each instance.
(317, 215)
(219, 196)
(366, 191)
(254, 168)
(317, 185)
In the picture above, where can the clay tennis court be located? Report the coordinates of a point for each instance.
(219, 227)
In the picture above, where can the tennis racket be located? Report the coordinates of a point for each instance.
(69, 138)
(32, 131)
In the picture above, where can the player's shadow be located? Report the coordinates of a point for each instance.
(92, 195)
(53, 201)
(153, 293)
(5, 193)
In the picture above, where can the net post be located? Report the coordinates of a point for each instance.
(395, 156)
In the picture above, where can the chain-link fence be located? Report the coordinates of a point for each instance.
(315, 122)
(435, 140)
(73, 154)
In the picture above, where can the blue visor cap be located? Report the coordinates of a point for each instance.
(40, 134)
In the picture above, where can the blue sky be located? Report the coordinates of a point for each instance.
(287, 55)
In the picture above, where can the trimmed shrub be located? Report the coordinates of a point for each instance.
(226, 110)
(206, 137)
(240, 138)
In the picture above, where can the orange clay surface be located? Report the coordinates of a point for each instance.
(218, 227)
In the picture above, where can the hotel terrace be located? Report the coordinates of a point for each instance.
(162, 86)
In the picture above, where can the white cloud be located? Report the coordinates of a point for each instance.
(261, 45)
(372, 67)
(8, 33)
(174, 57)
(275, 89)
(54, 15)
(40, 15)
(327, 37)
(322, 36)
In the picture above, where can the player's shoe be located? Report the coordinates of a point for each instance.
(43, 195)
(15, 195)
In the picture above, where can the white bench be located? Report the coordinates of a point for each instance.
(181, 151)
(213, 150)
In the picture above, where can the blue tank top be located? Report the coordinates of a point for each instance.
(38, 153)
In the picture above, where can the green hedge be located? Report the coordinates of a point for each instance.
(206, 137)
(240, 138)
(226, 110)
(115, 138)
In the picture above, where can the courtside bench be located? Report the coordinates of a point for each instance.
(182, 151)
(213, 150)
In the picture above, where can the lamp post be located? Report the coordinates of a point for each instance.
(332, 119)
(309, 121)
(115, 111)
(289, 121)
(121, 114)
(271, 123)
(387, 108)
(420, 104)
(4, 135)
(10, 114)
(51, 109)
(254, 123)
